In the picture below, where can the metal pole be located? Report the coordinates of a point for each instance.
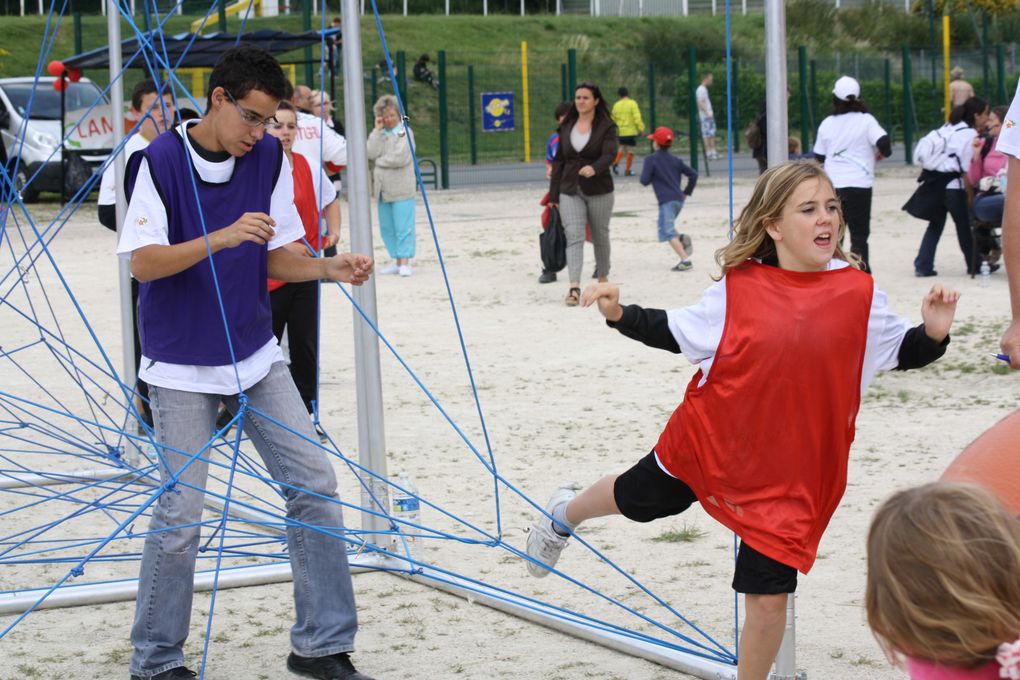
(693, 122)
(908, 108)
(371, 434)
(527, 110)
(444, 125)
(306, 26)
(571, 72)
(472, 123)
(77, 33)
(127, 320)
(786, 658)
(887, 92)
(805, 107)
(401, 83)
(1000, 75)
(737, 126)
(775, 81)
(563, 83)
(985, 64)
(651, 96)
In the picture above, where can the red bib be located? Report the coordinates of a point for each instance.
(306, 202)
(764, 442)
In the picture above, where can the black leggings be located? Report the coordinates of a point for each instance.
(856, 203)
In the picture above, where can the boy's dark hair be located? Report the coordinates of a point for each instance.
(288, 90)
(142, 88)
(966, 111)
(244, 68)
(561, 110)
(853, 104)
(623, 92)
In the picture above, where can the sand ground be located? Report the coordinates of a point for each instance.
(564, 399)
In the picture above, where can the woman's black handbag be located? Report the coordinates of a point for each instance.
(929, 200)
(553, 243)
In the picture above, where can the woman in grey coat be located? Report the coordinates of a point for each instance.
(389, 146)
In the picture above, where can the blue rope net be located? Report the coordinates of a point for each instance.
(79, 468)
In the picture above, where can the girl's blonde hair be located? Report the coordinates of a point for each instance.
(944, 575)
(770, 195)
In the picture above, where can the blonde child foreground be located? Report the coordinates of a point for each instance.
(786, 342)
(944, 583)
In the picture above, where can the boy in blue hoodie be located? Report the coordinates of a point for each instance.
(664, 172)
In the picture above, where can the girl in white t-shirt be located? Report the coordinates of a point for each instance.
(848, 144)
(968, 118)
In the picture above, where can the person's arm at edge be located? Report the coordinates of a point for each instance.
(1010, 343)
(692, 177)
(345, 267)
(332, 214)
(649, 326)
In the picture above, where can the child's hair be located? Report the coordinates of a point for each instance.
(244, 68)
(142, 88)
(793, 145)
(773, 190)
(562, 109)
(944, 575)
(968, 111)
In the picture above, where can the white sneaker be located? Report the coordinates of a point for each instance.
(390, 269)
(405, 270)
(544, 544)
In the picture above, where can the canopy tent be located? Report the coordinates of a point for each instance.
(188, 50)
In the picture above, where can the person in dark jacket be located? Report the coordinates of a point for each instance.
(664, 171)
(581, 183)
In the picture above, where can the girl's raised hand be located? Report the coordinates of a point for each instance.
(607, 295)
(937, 310)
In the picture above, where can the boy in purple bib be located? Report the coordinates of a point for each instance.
(210, 205)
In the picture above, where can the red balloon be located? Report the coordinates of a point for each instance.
(74, 75)
(59, 84)
(55, 67)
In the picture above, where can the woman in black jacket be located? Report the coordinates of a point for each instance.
(581, 183)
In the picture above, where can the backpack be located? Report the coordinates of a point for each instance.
(752, 135)
(934, 151)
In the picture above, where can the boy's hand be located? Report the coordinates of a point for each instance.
(256, 227)
(1011, 344)
(608, 297)
(349, 268)
(937, 310)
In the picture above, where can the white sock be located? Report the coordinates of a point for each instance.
(559, 514)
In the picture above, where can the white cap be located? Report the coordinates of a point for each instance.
(847, 87)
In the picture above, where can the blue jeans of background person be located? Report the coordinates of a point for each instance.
(396, 225)
(955, 204)
(323, 593)
(668, 212)
(988, 208)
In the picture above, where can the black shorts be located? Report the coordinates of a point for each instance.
(646, 492)
(630, 140)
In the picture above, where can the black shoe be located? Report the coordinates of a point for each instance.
(595, 274)
(223, 418)
(332, 667)
(993, 268)
(547, 277)
(628, 173)
(923, 274)
(616, 170)
(172, 674)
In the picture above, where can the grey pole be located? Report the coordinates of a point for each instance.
(775, 81)
(371, 441)
(127, 321)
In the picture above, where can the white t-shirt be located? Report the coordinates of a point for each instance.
(848, 143)
(961, 143)
(1009, 135)
(108, 186)
(145, 223)
(318, 142)
(704, 103)
(698, 330)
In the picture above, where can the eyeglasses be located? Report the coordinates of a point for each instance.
(252, 119)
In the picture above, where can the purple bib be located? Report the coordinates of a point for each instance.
(179, 317)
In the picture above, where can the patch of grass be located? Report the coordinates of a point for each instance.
(685, 534)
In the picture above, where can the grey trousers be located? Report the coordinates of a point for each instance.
(577, 211)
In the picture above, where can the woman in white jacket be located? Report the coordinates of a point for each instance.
(389, 146)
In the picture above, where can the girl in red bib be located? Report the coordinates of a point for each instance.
(786, 342)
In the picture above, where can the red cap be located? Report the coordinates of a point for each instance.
(662, 136)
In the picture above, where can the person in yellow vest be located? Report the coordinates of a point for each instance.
(627, 117)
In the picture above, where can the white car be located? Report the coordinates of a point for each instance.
(30, 131)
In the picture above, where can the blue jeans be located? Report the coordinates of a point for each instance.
(668, 213)
(955, 203)
(988, 208)
(323, 592)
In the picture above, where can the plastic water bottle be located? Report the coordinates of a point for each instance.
(407, 508)
(985, 273)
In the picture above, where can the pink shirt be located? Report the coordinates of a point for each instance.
(989, 166)
(927, 670)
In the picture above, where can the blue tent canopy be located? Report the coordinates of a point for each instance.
(189, 50)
